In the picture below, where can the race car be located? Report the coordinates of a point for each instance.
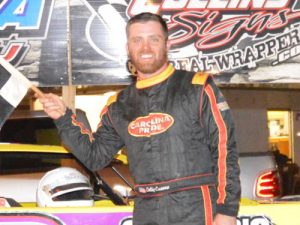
(46, 185)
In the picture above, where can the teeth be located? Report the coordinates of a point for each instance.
(146, 56)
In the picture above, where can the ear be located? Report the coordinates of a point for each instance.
(127, 49)
(168, 45)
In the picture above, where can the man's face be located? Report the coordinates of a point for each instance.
(147, 47)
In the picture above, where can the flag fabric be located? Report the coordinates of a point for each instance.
(13, 88)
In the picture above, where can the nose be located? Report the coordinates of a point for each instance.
(146, 45)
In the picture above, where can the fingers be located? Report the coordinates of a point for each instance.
(49, 102)
(52, 105)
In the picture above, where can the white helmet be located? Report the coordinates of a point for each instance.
(64, 186)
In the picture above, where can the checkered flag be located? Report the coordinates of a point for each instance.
(13, 88)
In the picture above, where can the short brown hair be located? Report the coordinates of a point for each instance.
(145, 17)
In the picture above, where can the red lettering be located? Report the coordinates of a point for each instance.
(207, 32)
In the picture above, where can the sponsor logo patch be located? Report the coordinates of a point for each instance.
(154, 123)
(222, 106)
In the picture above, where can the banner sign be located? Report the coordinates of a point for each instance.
(245, 41)
(33, 38)
(240, 41)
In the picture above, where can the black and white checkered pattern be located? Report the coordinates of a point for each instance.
(12, 91)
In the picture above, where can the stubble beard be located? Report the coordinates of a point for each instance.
(149, 67)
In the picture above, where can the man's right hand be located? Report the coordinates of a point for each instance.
(53, 105)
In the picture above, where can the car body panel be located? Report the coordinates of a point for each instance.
(15, 147)
(115, 215)
(105, 212)
(29, 177)
(251, 213)
(253, 165)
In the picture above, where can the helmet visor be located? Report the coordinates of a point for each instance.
(74, 191)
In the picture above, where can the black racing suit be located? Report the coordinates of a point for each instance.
(179, 136)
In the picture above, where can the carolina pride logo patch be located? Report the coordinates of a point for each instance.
(154, 123)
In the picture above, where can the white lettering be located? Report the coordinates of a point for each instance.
(152, 122)
(276, 4)
(20, 10)
(254, 220)
(233, 4)
(282, 46)
(197, 4)
(138, 6)
(260, 221)
(174, 4)
(217, 4)
(156, 189)
(289, 53)
(257, 4)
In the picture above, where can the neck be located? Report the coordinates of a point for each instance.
(158, 78)
(142, 76)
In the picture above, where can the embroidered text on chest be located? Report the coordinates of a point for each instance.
(154, 123)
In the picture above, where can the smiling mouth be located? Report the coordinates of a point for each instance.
(146, 56)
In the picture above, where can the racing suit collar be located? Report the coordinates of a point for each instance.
(148, 82)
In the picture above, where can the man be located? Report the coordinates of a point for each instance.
(178, 131)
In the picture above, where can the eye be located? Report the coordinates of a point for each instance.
(136, 40)
(155, 39)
